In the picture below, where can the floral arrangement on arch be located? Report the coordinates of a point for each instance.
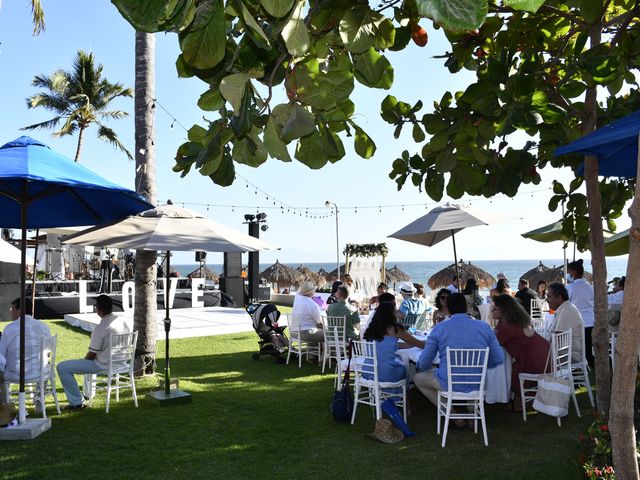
(366, 250)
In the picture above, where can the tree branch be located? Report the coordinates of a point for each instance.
(625, 23)
(572, 18)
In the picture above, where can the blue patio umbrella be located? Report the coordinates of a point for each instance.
(615, 144)
(42, 188)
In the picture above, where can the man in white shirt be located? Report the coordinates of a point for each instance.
(97, 358)
(617, 297)
(581, 295)
(35, 331)
(453, 287)
(307, 313)
(567, 316)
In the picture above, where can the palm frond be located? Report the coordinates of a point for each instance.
(55, 103)
(115, 114)
(69, 128)
(37, 17)
(108, 135)
(46, 124)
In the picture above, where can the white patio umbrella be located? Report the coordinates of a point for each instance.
(11, 254)
(444, 222)
(169, 228)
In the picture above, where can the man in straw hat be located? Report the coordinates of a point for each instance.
(307, 313)
(410, 305)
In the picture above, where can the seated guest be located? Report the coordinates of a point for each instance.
(97, 358)
(566, 316)
(525, 294)
(410, 305)
(528, 350)
(617, 297)
(453, 287)
(459, 331)
(541, 290)
(385, 331)
(473, 298)
(334, 289)
(35, 331)
(502, 288)
(373, 301)
(441, 312)
(342, 309)
(307, 313)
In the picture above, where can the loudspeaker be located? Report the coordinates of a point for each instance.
(234, 287)
(201, 256)
(232, 264)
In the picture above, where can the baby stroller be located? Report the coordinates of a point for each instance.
(273, 340)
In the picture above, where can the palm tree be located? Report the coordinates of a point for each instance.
(144, 314)
(78, 99)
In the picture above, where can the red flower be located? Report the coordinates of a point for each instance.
(604, 428)
(608, 470)
(597, 471)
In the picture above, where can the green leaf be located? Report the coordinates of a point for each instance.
(275, 146)
(434, 184)
(293, 120)
(250, 151)
(361, 28)
(526, 5)
(591, 10)
(418, 133)
(373, 70)
(364, 146)
(156, 16)
(211, 100)
(611, 225)
(232, 88)
(252, 24)
(226, 173)
(572, 89)
(203, 44)
(310, 151)
(197, 134)
(456, 15)
(445, 161)
(277, 8)
(388, 109)
(295, 33)
(558, 188)
(482, 97)
(554, 202)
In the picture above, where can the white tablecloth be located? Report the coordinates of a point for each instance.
(498, 382)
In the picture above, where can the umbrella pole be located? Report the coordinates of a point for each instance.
(23, 296)
(167, 328)
(35, 271)
(455, 258)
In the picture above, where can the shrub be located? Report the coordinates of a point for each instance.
(595, 451)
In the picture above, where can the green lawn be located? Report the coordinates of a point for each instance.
(253, 419)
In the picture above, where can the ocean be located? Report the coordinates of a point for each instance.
(420, 272)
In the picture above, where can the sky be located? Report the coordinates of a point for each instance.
(370, 206)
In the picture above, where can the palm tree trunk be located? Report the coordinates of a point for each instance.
(144, 314)
(80, 142)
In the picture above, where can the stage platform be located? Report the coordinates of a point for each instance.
(185, 322)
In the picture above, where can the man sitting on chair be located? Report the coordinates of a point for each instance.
(307, 312)
(410, 305)
(35, 331)
(97, 358)
(342, 309)
(459, 331)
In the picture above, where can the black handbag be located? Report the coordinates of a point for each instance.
(342, 400)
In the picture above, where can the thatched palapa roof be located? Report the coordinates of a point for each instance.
(465, 271)
(281, 275)
(208, 274)
(310, 275)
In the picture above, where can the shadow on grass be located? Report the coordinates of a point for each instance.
(250, 419)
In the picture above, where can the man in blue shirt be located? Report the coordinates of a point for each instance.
(459, 331)
(410, 306)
